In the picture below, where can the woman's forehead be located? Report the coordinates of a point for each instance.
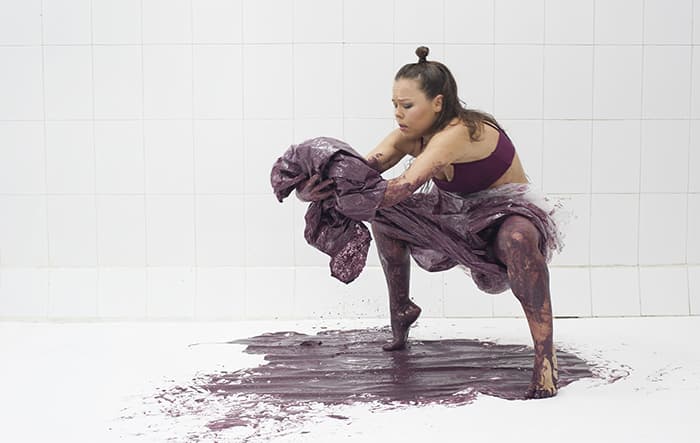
(405, 88)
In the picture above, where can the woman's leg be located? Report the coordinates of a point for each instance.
(395, 260)
(517, 247)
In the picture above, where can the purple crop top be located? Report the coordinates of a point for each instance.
(478, 175)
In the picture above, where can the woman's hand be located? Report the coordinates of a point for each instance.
(312, 190)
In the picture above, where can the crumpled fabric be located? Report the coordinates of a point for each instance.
(442, 229)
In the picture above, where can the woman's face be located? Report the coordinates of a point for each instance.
(413, 111)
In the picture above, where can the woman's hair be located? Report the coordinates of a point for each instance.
(434, 79)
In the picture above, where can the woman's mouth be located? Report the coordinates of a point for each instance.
(403, 127)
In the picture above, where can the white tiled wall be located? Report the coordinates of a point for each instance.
(136, 139)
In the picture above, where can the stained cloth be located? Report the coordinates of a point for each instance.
(441, 229)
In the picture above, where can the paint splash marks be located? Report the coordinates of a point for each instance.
(309, 378)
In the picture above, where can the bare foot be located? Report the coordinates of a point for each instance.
(401, 321)
(545, 376)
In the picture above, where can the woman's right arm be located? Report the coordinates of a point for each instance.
(386, 154)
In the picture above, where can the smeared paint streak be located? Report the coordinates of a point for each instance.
(308, 377)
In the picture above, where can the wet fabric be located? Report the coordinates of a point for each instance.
(441, 229)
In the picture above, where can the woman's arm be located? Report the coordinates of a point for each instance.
(386, 154)
(439, 153)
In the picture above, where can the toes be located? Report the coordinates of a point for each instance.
(540, 392)
(394, 346)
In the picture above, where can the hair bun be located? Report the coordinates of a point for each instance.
(422, 53)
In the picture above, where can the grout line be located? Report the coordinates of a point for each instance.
(194, 164)
(46, 167)
(639, 180)
(590, 170)
(94, 162)
(145, 171)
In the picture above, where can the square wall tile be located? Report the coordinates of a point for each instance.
(427, 291)
(121, 230)
(171, 293)
(617, 79)
(568, 82)
(22, 158)
(567, 156)
(615, 143)
(217, 21)
(365, 134)
(268, 79)
(218, 82)
(269, 293)
(70, 158)
(664, 156)
(170, 236)
(121, 293)
(20, 23)
(118, 74)
(220, 228)
(21, 83)
(367, 296)
(571, 292)
(318, 21)
(614, 229)
(519, 22)
(167, 81)
(662, 229)
(23, 231)
(615, 291)
(66, 22)
(260, 153)
(318, 93)
(693, 245)
(317, 295)
(664, 290)
(666, 85)
(694, 160)
(411, 18)
(664, 25)
(262, 25)
(218, 152)
(116, 22)
(367, 92)
(73, 293)
(268, 232)
(169, 156)
(577, 230)
(361, 27)
(72, 230)
(119, 157)
(167, 21)
(518, 81)
(694, 289)
(470, 21)
(476, 85)
(24, 293)
(619, 21)
(527, 137)
(463, 298)
(569, 21)
(220, 293)
(68, 82)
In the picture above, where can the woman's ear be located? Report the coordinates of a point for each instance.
(437, 103)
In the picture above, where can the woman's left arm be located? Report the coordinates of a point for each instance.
(439, 152)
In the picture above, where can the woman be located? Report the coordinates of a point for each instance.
(465, 152)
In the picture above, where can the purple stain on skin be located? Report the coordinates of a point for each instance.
(307, 377)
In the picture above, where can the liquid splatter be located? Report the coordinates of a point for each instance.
(307, 377)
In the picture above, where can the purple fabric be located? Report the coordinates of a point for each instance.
(442, 229)
(479, 175)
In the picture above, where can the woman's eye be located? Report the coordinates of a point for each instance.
(407, 106)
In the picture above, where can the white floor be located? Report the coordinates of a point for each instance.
(76, 382)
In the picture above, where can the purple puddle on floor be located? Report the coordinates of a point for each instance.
(306, 375)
